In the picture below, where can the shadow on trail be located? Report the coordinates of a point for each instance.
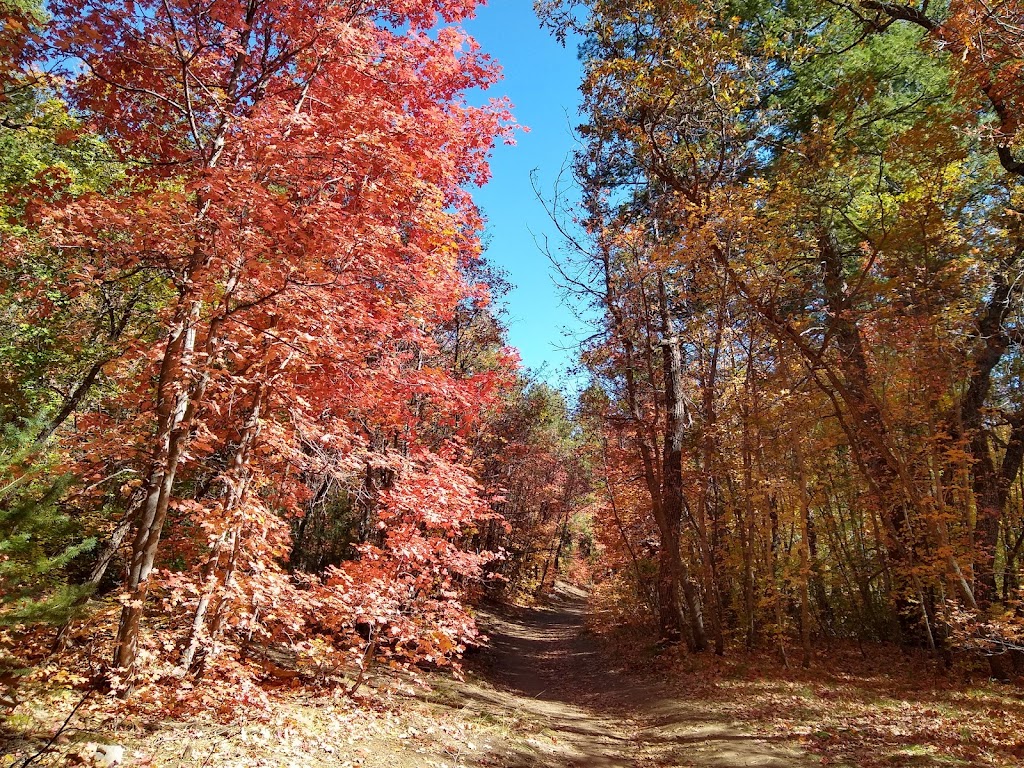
(564, 703)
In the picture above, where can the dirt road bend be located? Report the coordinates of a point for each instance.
(564, 703)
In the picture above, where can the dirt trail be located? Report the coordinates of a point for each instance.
(564, 704)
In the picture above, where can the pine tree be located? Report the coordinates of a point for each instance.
(37, 536)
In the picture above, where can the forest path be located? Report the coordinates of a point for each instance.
(565, 703)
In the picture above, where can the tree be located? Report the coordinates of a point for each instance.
(37, 538)
(806, 201)
(298, 249)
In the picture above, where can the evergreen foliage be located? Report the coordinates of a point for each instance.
(38, 538)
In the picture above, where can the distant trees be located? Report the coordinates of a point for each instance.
(535, 454)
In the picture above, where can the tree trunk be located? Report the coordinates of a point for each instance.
(236, 483)
(747, 523)
(805, 557)
(989, 484)
(676, 579)
(174, 405)
(868, 431)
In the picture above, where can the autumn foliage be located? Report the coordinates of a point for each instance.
(251, 315)
(259, 418)
(803, 236)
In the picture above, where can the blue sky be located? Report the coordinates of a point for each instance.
(542, 80)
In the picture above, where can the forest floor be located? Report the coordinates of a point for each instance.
(555, 689)
(579, 701)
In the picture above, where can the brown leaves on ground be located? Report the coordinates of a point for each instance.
(297, 729)
(887, 707)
